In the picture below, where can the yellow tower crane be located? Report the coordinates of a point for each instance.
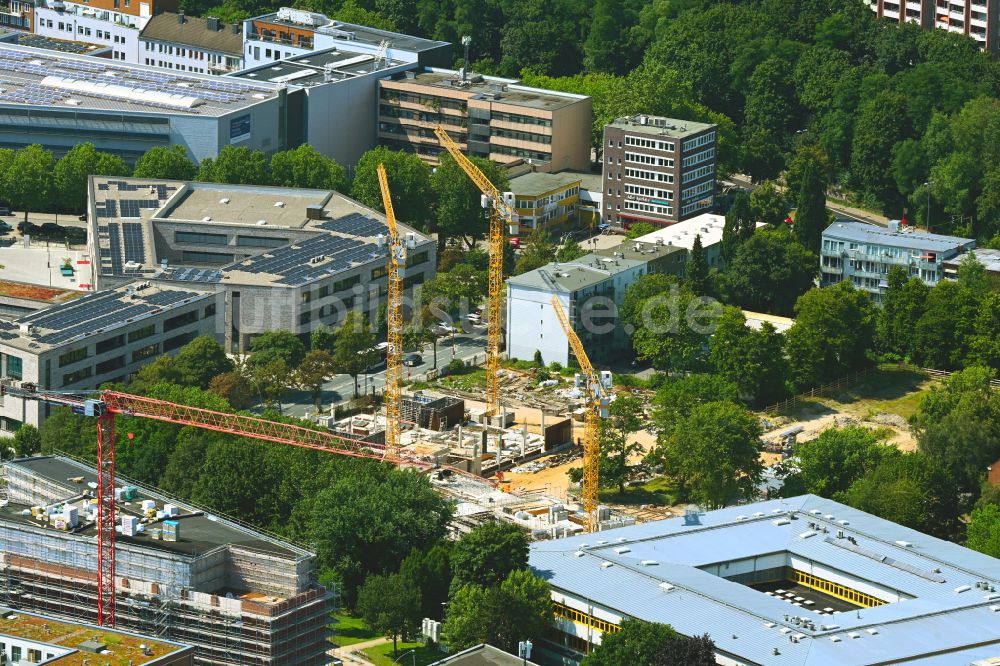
(599, 398)
(394, 312)
(500, 214)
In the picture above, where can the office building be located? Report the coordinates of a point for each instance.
(483, 655)
(657, 170)
(111, 23)
(332, 97)
(60, 99)
(92, 339)
(546, 201)
(30, 638)
(707, 226)
(802, 581)
(864, 253)
(289, 32)
(978, 19)
(17, 14)
(275, 257)
(590, 290)
(238, 596)
(487, 117)
(191, 44)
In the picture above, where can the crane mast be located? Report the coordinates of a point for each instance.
(597, 396)
(394, 312)
(500, 214)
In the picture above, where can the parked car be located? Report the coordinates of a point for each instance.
(5, 211)
(411, 360)
(5, 227)
(474, 318)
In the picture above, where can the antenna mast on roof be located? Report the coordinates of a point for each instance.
(381, 61)
(466, 40)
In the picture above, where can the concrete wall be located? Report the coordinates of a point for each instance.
(537, 327)
(571, 128)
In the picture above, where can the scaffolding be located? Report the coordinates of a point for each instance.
(235, 603)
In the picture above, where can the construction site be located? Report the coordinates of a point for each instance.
(237, 595)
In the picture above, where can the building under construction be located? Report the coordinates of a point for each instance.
(235, 594)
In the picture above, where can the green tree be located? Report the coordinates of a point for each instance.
(676, 398)
(273, 377)
(352, 350)
(737, 219)
(72, 170)
(28, 182)
(637, 229)
(409, 182)
(625, 419)
(352, 12)
(459, 214)
(537, 251)
(811, 216)
(767, 204)
(569, 251)
(462, 287)
(833, 334)
(430, 572)
(753, 360)
(27, 441)
(185, 462)
(651, 644)
(276, 345)
(984, 343)
(965, 445)
(312, 372)
(936, 342)
(674, 329)
(237, 165)
(519, 608)
(165, 163)
(983, 530)
(366, 518)
(902, 306)
(771, 104)
(714, 453)
(200, 360)
(908, 489)
(769, 272)
(389, 604)
(306, 167)
(881, 123)
(322, 337)
(696, 270)
(832, 462)
(488, 554)
(602, 49)
(234, 388)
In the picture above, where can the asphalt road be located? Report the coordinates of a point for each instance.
(842, 211)
(340, 388)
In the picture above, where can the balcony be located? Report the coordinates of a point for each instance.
(273, 39)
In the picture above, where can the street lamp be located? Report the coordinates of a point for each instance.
(413, 652)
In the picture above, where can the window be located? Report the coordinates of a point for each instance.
(305, 317)
(111, 343)
(642, 174)
(648, 208)
(78, 376)
(261, 241)
(700, 172)
(698, 158)
(648, 143)
(523, 120)
(111, 364)
(14, 366)
(416, 259)
(649, 192)
(140, 333)
(146, 352)
(178, 341)
(15, 653)
(702, 140)
(346, 283)
(194, 257)
(640, 158)
(180, 320)
(380, 272)
(199, 238)
(209, 310)
(72, 356)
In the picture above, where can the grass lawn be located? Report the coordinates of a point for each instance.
(469, 381)
(348, 630)
(885, 391)
(657, 492)
(382, 655)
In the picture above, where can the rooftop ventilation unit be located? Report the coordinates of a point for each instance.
(666, 587)
(607, 565)
(279, 204)
(621, 550)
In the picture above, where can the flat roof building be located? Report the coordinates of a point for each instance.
(88, 339)
(59, 99)
(42, 639)
(275, 257)
(657, 170)
(289, 32)
(864, 253)
(990, 259)
(803, 581)
(708, 226)
(546, 201)
(487, 117)
(978, 19)
(237, 595)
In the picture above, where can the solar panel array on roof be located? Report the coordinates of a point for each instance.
(194, 275)
(135, 249)
(356, 224)
(133, 207)
(292, 262)
(99, 311)
(114, 236)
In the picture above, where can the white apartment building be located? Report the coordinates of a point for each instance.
(111, 23)
(191, 44)
(979, 19)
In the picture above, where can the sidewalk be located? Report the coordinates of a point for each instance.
(350, 653)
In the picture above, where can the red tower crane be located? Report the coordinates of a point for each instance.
(104, 405)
